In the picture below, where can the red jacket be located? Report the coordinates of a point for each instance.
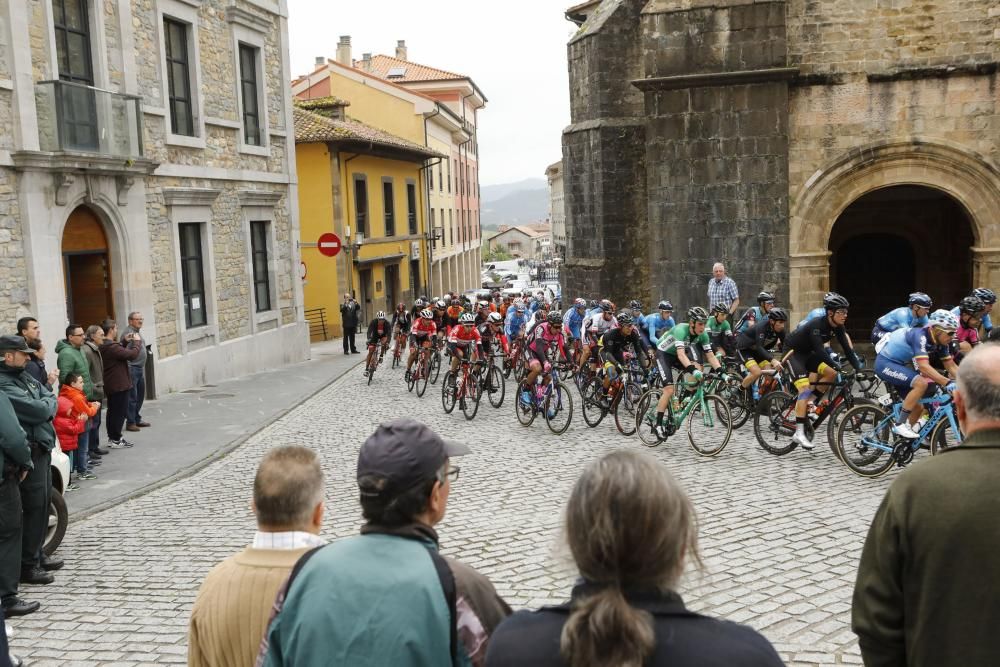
(68, 425)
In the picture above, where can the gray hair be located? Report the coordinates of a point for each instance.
(979, 382)
(288, 486)
(718, 265)
(92, 329)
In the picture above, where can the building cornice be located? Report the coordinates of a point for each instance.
(247, 19)
(190, 196)
(265, 198)
(712, 79)
(82, 162)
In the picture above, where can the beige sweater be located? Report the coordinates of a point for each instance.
(231, 612)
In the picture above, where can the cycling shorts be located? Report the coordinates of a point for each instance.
(751, 357)
(804, 363)
(420, 338)
(591, 338)
(878, 333)
(455, 346)
(376, 340)
(666, 363)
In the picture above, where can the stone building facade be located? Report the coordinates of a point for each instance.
(808, 144)
(146, 163)
(557, 208)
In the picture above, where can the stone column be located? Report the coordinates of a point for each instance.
(985, 267)
(808, 281)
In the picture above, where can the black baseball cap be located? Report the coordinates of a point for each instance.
(404, 453)
(15, 344)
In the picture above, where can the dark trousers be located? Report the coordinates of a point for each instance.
(35, 490)
(115, 419)
(10, 539)
(349, 333)
(137, 394)
(4, 649)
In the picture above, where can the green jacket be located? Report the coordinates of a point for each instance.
(13, 444)
(33, 404)
(72, 360)
(929, 578)
(366, 601)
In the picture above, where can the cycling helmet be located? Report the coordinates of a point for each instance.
(519, 307)
(971, 305)
(697, 314)
(986, 295)
(494, 318)
(422, 298)
(833, 301)
(420, 303)
(943, 319)
(441, 304)
(467, 318)
(719, 309)
(456, 302)
(580, 303)
(634, 304)
(920, 299)
(427, 314)
(624, 319)
(606, 306)
(592, 304)
(526, 292)
(665, 305)
(765, 296)
(554, 317)
(484, 304)
(380, 315)
(777, 315)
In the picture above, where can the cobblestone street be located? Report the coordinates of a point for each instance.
(780, 537)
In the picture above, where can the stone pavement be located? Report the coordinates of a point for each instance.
(780, 537)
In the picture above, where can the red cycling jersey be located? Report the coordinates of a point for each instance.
(462, 336)
(423, 327)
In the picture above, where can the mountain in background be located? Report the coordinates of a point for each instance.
(517, 203)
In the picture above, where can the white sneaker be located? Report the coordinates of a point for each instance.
(802, 440)
(904, 430)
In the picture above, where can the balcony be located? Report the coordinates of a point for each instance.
(74, 118)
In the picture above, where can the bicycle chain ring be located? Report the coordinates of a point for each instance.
(902, 452)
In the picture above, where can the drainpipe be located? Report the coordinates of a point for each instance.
(427, 205)
(347, 216)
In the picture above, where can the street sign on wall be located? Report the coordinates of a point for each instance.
(329, 244)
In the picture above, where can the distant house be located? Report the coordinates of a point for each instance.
(523, 241)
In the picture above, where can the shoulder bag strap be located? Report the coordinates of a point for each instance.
(447, 579)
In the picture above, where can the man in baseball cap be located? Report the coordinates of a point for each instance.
(386, 596)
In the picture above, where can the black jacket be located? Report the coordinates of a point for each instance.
(349, 314)
(683, 638)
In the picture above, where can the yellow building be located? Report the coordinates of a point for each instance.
(365, 185)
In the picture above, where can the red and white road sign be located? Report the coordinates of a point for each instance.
(329, 244)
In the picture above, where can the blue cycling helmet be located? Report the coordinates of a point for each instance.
(920, 299)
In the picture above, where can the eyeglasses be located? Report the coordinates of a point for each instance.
(451, 475)
(840, 311)
(77, 334)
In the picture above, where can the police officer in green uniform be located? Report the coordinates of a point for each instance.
(35, 406)
(15, 463)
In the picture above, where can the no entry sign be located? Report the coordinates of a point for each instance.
(329, 244)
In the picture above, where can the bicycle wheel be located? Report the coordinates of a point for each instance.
(709, 425)
(834, 419)
(496, 388)
(371, 370)
(943, 437)
(435, 368)
(413, 378)
(520, 368)
(422, 372)
(590, 404)
(396, 355)
(448, 393)
(473, 393)
(525, 412)
(645, 418)
(624, 408)
(558, 408)
(738, 399)
(865, 440)
(774, 421)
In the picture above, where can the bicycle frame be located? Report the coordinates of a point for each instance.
(945, 409)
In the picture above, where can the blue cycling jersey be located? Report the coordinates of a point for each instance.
(656, 325)
(813, 314)
(573, 320)
(533, 308)
(987, 322)
(514, 323)
(905, 345)
(900, 318)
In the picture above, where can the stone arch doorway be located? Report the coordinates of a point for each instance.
(896, 240)
(87, 269)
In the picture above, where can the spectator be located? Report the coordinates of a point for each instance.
(71, 420)
(722, 289)
(391, 575)
(92, 351)
(926, 587)
(15, 461)
(27, 328)
(350, 314)
(137, 371)
(230, 615)
(34, 406)
(117, 380)
(36, 365)
(72, 360)
(630, 528)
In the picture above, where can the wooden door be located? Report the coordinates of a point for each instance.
(87, 269)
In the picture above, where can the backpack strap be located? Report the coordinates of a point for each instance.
(279, 601)
(447, 579)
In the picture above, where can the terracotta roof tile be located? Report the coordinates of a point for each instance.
(381, 65)
(311, 128)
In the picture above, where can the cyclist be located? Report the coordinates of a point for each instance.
(491, 333)
(753, 346)
(505, 305)
(611, 347)
(811, 354)
(904, 361)
(482, 310)
(573, 320)
(422, 334)
(988, 297)
(765, 302)
(440, 306)
(914, 314)
(378, 334)
(658, 322)
(418, 305)
(971, 312)
(461, 339)
(595, 326)
(452, 314)
(676, 346)
(539, 316)
(516, 320)
(401, 320)
(720, 332)
(547, 336)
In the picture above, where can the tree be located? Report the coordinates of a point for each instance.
(497, 254)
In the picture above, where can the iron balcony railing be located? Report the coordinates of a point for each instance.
(78, 118)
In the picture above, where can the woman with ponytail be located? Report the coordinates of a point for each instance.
(630, 528)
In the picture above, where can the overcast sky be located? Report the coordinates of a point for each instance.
(514, 50)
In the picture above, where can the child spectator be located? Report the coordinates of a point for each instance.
(71, 420)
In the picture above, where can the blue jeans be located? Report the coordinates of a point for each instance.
(80, 458)
(136, 395)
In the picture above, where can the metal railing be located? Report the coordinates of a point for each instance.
(316, 317)
(79, 118)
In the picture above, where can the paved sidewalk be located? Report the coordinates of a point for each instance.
(192, 428)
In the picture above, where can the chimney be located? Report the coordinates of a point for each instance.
(344, 56)
(320, 61)
(401, 50)
(366, 62)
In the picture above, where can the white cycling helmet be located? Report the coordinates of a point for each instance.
(494, 318)
(427, 314)
(467, 318)
(380, 315)
(943, 319)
